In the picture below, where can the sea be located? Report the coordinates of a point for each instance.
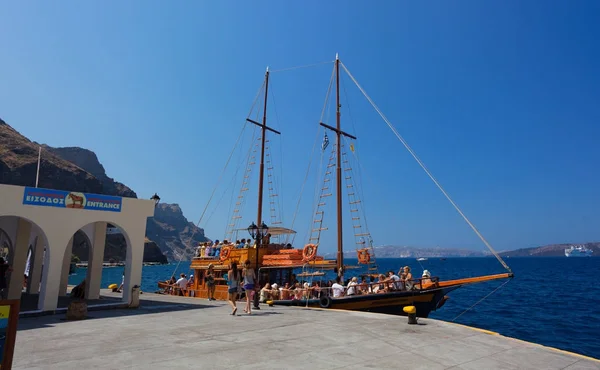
(553, 301)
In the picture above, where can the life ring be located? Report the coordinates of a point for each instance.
(309, 252)
(225, 251)
(364, 256)
(325, 302)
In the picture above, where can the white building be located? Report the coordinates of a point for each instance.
(45, 220)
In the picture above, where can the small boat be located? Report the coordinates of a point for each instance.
(421, 259)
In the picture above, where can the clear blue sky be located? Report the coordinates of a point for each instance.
(500, 100)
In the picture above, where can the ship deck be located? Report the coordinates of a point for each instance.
(169, 332)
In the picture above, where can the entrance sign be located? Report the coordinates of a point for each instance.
(66, 199)
(9, 315)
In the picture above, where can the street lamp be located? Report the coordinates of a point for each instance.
(257, 233)
(156, 199)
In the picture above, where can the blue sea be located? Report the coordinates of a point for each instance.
(552, 301)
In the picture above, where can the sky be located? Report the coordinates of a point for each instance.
(498, 99)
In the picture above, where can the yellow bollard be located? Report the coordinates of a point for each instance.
(411, 311)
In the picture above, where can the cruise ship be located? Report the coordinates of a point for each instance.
(578, 251)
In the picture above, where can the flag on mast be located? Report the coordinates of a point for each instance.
(325, 142)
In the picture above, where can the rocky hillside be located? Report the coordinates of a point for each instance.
(553, 250)
(88, 160)
(78, 169)
(172, 232)
(18, 166)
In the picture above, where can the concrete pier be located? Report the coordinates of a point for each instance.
(185, 333)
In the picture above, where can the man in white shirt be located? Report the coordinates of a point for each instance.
(182, 284)
(337, 288)
(352, 286)
(395, 279)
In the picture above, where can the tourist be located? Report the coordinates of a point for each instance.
(265, 293)
(249, 278)
(189, 285)
(122, 283)
(363, 287)
(208, 250)
(394, 280)
(182, 284)
(337, 288)
(275, 293)
(210, 282)
(266, 239)
(408, 278)
(352, 286)
(426, 279)
(233, 282)
(5, 269)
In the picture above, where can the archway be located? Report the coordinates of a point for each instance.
(23, 243)
(103, 250)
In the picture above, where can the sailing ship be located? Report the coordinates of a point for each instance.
(277, 262)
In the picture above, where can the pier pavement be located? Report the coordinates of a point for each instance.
(186, 333)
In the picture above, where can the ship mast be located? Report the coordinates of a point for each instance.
(338, 173)
(261, 173)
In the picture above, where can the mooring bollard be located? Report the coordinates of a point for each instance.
(77, 310)
(411, 311)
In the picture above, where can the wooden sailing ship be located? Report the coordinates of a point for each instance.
(278, 262)
(425, 294)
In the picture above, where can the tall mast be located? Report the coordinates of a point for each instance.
(338, 133)
(340, 252)
(261, 172)
(264, 129)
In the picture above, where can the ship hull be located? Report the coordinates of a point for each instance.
(386, 303)
(576, 253)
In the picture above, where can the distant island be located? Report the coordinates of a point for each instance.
(395, 251)
(552, 250)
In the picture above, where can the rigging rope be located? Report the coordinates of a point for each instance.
(218, 181)
(414, 155)
(492, 292)
(299, 67)
(311, 158)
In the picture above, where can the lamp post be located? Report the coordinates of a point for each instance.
(156, 199)
(257, 233)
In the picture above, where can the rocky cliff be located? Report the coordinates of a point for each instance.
(88, 160)
(78, 169)
(173, 232)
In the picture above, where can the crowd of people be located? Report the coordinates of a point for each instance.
(337, 288)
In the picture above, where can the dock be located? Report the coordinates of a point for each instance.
(169, 332)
